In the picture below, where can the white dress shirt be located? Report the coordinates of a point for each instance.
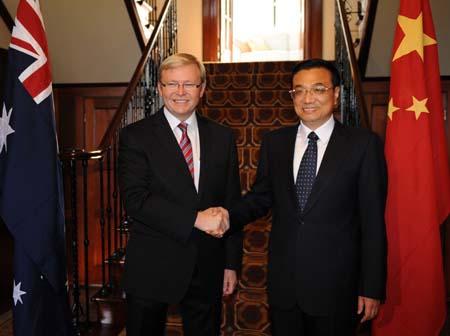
(192, 131)
(301, 142)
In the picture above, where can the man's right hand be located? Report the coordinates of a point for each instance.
(214, 221)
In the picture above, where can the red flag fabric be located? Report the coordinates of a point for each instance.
(419, 182)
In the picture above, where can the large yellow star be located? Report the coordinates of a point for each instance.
(418, 107)
(392, 108)
(415, 39)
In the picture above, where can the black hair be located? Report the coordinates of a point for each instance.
(319, 63)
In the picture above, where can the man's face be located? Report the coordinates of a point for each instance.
(179, 99)
(315, 96)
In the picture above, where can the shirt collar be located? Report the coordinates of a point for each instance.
(174, 121)
(323, 132)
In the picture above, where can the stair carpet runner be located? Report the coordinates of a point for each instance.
(252, 99)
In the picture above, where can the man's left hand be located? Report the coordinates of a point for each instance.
(369, 306)
(229, 282)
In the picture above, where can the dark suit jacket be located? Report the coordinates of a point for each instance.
(158, 192)
(335, 250)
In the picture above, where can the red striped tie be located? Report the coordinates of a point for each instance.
(186, 147)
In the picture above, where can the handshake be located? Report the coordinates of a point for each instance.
(213, 221)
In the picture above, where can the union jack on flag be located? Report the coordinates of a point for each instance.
(28, 36)
(31, 196)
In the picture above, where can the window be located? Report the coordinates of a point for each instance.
(260, 30)
(274, 32)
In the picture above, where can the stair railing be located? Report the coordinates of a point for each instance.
(91, 185)
(134, 8)
(353, 110)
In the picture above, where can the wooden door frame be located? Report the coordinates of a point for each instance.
(211, 29)
(313, 29)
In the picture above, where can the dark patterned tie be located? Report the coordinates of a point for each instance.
(307, 171)
(186, 147)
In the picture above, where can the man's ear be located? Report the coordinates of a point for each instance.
(337, 91)
(159, 86)
(203, 87)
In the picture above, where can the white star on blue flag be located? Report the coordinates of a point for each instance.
(17, 293)
(5, 128)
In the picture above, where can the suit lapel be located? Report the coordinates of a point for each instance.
(332, 159)
(172, 150)
(288, 158)
(205, 151)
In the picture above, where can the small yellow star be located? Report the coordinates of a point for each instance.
(392, 108)
(418, 107)
(415, 39)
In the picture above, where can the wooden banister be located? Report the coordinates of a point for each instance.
(363, 56)
(139, 31)
(6, 16)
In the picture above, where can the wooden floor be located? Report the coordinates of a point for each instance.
(98, 330)
(174, 326)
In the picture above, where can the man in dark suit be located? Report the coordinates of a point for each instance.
(326, 186)
(172, 166)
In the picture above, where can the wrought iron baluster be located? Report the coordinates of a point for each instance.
(76, 305)
(109, 212)
(350, 107)
(104, 289)
(84, 164)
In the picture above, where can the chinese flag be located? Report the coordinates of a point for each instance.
(419, 183)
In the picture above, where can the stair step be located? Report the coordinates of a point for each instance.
(118, 257)
(250, 67)
(106, 294)
(97, 328)
(144, 9)
(125, 225)
(111, 306)
(110, 303)
(270, 81)
(248, 98)
(266, 81)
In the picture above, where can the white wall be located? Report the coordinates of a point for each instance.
(328, 30)
(383, 35)
(382, 39)
(4, 35)
(190, 27)
(90, 41)
(381, 49)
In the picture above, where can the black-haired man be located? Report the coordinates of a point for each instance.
(326, 185)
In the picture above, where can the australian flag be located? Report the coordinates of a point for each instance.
(31, 196)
